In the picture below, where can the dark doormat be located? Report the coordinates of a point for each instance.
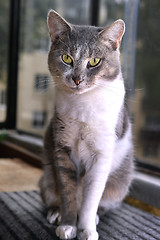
(23, 217)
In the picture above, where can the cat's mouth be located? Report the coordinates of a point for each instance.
(77, 89)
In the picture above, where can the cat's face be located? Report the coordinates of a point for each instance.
(83, 58)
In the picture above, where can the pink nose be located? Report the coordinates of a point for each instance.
(77, 82)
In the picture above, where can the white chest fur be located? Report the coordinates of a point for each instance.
(95, 106)
(91, 116)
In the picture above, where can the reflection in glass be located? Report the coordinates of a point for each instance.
(35, 88)
(147, 77)
(4, 31)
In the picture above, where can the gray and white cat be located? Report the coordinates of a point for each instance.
(88, 147)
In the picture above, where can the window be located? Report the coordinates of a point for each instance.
(39, 119)
(146, 105)
(41, 82)
(140, 51)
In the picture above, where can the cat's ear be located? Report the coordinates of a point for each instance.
(113, 33)
(57, 25)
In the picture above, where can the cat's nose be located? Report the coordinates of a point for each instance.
(77, 80)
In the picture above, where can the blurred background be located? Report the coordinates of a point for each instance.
(26, 92)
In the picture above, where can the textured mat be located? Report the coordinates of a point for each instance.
(23, 217)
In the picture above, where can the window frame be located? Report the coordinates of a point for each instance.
(13, 51)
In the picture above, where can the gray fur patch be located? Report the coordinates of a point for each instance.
(122, 124)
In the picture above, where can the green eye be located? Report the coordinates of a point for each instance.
(94, 62)
(67, 59)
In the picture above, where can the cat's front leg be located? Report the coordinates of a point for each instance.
(67, 177)
(94, 184)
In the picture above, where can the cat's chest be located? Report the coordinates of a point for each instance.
(91, 109)
(89, 121)
(85, 140)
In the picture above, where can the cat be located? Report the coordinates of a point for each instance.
(88, 163)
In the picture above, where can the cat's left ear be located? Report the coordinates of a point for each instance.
(113, 33)
(57, 25)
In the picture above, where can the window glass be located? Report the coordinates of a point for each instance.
(141, 70)
(140, 64)
(4, 34)
(146, 107)
(35, 88)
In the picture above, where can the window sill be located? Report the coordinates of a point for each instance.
(28, 148)
(146, 188)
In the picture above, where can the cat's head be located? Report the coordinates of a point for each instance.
(83, 57)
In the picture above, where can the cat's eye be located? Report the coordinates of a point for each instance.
(93, 62)
(67, 59)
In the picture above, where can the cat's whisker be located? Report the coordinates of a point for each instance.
(53, 84)
(132, 100)
(139, 89)
(108, 89)
(44, 85)
(134, 89)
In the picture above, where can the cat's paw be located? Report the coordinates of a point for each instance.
(54, 217)
(86, 234)
(66, 232)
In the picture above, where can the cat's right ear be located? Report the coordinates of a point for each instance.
(57, 25)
